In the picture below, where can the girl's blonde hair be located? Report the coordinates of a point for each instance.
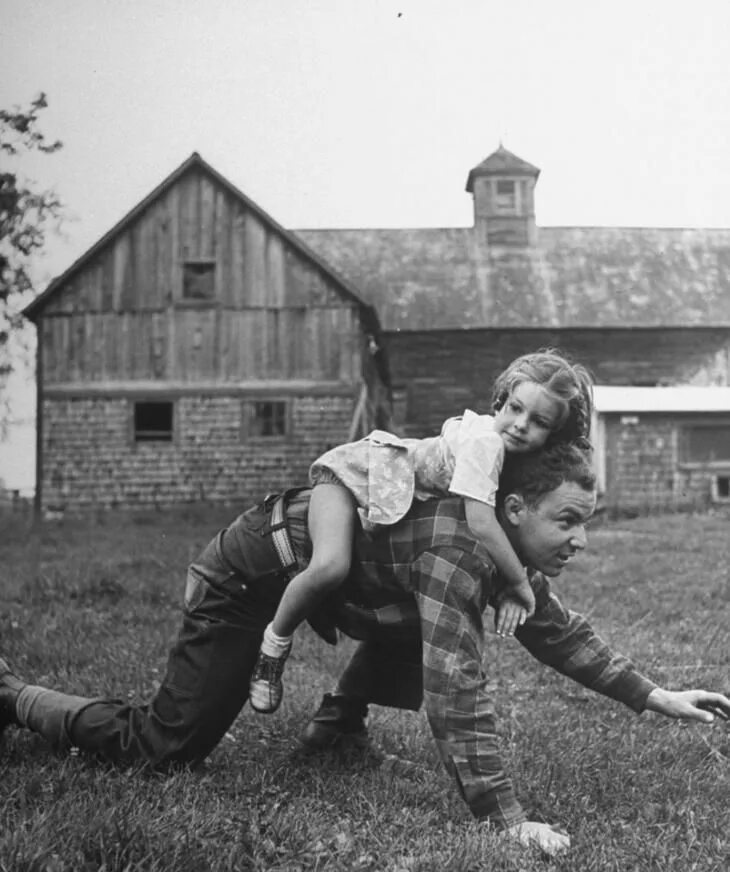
(569, 383)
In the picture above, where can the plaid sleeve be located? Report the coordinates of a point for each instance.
(567, 642)
(451, 589)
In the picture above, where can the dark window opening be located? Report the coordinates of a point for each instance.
(707, 444)
(506, 195)
(198, 280)
(268, 418)
(153, 422)
(722, 487)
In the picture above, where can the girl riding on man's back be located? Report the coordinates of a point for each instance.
(540, 398)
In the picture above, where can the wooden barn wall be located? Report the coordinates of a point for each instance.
(274, 314)
(190, 345)
(437, 374)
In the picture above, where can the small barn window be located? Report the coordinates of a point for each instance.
(266, 418)
(706, 443)
(198, 280)
(153, 421)
(721, 489)
(506, 195)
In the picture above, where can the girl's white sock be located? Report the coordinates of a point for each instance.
(273, 645)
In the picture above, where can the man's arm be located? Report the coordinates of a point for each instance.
(567, 642)
(450, 588)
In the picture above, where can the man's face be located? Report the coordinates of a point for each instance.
(548, 535)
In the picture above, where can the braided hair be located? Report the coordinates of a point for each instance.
(569, 383)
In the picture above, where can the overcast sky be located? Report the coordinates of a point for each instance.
(370, 113)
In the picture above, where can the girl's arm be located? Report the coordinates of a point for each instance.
(483, 522)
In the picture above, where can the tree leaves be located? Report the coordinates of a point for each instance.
(19, 131)
(26, 216)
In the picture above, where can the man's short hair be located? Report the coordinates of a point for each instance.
(537, 473)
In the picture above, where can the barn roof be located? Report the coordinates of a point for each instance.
(421, 279)
(195, 160)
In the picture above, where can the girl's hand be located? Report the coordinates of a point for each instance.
(516, 604)
(510, 615)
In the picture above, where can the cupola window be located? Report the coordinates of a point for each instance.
(506, 199)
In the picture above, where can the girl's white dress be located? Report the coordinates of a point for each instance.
(386, 473)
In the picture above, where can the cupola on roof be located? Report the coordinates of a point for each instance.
(501, 162)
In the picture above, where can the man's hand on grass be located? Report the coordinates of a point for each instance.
(533, 834)
(697, 705)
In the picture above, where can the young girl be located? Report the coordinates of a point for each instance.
(541, 397)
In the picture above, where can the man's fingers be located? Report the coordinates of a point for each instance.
(715, 708)
(549, 839)
(556, 843)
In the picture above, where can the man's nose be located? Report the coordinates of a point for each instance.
(579, 539)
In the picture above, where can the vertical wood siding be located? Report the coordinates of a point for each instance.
(274, 313)
(189, 345)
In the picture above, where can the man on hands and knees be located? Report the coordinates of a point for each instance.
(415, 595)
(544, 502)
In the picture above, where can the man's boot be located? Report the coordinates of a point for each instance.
(10, 687)
(339, 720)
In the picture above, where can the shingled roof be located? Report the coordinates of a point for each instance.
(501, 163)
(575, 276)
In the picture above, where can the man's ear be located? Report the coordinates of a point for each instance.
(513, 508)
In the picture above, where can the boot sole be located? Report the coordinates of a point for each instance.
(321, 737)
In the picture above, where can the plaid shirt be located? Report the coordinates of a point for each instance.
(432, 556)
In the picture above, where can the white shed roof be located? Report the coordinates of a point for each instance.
(679, 398)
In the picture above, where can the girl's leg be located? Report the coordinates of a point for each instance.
(332, 514)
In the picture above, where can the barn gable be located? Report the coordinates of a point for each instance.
(206, 285)
(209, 339)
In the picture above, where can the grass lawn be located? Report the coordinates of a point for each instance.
(91, 608)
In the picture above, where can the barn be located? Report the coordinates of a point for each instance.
(644, 308)
(198, 351)
(201, 351)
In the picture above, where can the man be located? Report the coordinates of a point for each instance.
(429, 558)
(544, 501)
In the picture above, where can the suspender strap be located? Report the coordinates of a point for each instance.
(280, 534)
